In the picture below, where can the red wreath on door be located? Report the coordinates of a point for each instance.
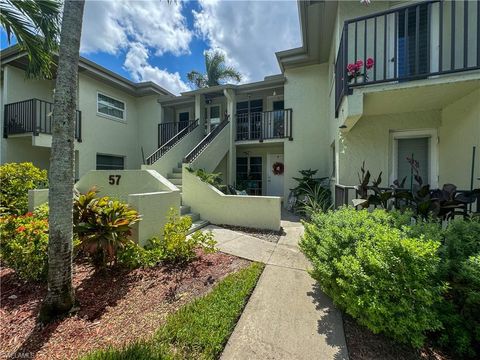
(278, 168)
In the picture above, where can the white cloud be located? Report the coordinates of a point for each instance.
(136, 62)
(134, 27)
(249, 32)
(109, 26)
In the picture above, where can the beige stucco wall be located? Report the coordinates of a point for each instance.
(307, 93)
(370, 141)
(20, 149)
(458, 133)
(106, 135)
(149, 114)
(21, 88)
(261, 212)
(211, 156)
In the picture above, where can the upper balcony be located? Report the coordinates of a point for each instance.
(264, 125)
(33, 116)
(415, 42)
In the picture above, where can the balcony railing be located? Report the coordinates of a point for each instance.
(33, 116)
(168, 130)
(264, 125)
(163, 149)
(414, 42)
(202, 145)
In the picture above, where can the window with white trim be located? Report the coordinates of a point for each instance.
(109, 106)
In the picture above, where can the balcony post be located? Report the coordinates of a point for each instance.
(79, 126)
(5, 122)
(34, 117)
(345, 59)
(232, 154)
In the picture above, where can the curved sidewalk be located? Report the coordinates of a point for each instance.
(287, 316)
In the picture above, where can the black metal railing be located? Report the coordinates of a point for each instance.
(264, 125)
(202, 145)
(171, 143)
(33, 116)
(425, 39)
(168, 130)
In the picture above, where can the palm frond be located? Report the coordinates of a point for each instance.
(36, 27)
(197, 79)
(216, 71)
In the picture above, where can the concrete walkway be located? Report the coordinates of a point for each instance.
(287, 316)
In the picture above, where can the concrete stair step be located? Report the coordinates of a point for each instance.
(184, 209)
(180, 165)
(175, 181)
(177, 170)
(194, 216)
(197, 225)
(174, 175)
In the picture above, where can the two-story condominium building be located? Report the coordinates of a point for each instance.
(416, 92)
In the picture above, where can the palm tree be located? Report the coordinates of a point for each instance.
(60, 296)
(217, 71)
(35, 25)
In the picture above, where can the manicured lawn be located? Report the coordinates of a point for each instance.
(200, 329)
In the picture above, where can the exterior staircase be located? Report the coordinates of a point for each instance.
(175, 177)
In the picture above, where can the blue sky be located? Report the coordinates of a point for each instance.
(162, 42)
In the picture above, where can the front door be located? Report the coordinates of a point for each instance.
(274, 176)
(212, 117)
(183, 119)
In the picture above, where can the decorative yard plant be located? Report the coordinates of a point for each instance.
(103, 225)
(24, 245)
(444, 203)
(16, 179)
(174, 247)
(376, 272)
(310, 195)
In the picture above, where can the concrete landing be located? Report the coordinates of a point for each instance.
(287, 316)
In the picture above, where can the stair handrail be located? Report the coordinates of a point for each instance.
(162, 150)
(197, 150)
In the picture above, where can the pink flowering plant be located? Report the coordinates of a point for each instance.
(358, 68)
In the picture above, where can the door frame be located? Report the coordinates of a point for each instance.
(207, 118)
(268, 173)
(432, 134)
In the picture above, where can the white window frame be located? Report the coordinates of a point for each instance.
(111, 117)
(432, 134)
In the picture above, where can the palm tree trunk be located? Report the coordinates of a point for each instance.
(60, 296)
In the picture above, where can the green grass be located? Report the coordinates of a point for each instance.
(198, 330)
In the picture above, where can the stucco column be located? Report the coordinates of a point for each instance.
(232, 151)
(200, 109)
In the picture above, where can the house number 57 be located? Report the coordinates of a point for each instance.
(114, 179)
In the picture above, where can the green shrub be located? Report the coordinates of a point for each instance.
(174, 247)
(16, 180)
(461, 268)
(24, 245)
(375, 271)
(103, 225)
(42, 211)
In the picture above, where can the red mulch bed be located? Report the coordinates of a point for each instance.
(117, 306)
(364, 345)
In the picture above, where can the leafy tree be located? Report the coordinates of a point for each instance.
(35, 25)
(60, 296)
(217, 72)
